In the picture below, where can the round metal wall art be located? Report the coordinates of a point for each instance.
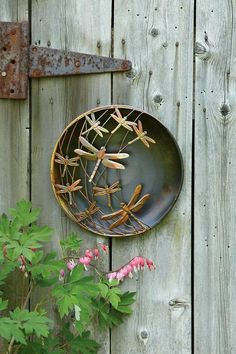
(116, 171)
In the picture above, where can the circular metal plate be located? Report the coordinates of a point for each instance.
(106, 205)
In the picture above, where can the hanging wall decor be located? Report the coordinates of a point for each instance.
(116, 170)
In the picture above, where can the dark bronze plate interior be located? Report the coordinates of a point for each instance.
(159, 169)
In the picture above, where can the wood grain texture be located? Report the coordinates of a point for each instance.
(79, 26)
(14, 146)
(158, 38)
(215, 160)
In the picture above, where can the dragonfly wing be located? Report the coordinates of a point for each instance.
(140, 126)
(119, 222)
(114, 185)
(137, 131)
(116, 118)
(90, 121)
(104, 130)
(111, 164)
(113, 215)
(59, 156)
(150, 139)
(127, 127)
(87, 155)
(60, 186)
(135, 195)
(140, 203)
(86, 144)
(118, 156)
(118, 113)
(97, 130)
(59, 161)
(145, 142)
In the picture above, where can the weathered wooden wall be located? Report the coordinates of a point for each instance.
(158, 37)
(215, 176)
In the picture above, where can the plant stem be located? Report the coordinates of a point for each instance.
(31, 286)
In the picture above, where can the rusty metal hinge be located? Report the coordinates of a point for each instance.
(20, 60)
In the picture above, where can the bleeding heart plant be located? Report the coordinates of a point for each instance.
(80, 298)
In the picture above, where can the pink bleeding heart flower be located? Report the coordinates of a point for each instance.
(61, 274)
(104, 248)
(111, 276)
(150, 264)
(71, 265)
(96, 253)
(89, 254)
(137, 262)
(85, 261)
(128, 269)
(121, 274)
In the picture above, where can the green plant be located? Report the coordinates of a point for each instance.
(80, 298)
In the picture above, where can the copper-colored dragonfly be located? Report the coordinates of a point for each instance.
(66, 162)
(128, 209)
(95, 125)
(122, 122)
(69, 188)
(107, 190)
(100, 156)
(92, 209)
(142, 135)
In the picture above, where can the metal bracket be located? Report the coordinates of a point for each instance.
(20, 60)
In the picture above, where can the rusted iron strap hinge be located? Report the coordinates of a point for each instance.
(20, 60)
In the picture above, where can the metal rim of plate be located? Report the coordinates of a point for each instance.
(162, 173)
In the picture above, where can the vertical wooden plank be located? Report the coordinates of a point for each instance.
(14, 144)
(215, 201)
(157, 36)
(79, 26)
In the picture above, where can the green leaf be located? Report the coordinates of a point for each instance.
(114, 299)
(10, 328)
(3, 304)
(103, 289)
(47, 268)
(72, 242)
(77, 274)
(31, 322)
(84, 345)
(24, 213)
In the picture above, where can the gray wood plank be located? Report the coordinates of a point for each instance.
(215, 156)
(79, 26)
(158, 38)
(14, 146)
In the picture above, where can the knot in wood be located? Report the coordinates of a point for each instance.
(144, 334)
(131, 74)
(154, 32)
(157, 98)
(224, 109)
(200, 49)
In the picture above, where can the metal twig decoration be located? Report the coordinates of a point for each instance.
(108, 197)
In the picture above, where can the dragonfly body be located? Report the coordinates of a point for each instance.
(100, 156)
(107, 190)
(92, 209)
(128, 209)
(94, 125)
(69, 188)
(142, 136)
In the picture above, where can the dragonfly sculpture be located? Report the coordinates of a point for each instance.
(66, 162)
(128, 209)
(92, 209)
(95, 125)
(107, 191)
(69, 188)
(122, 122)
(142, 135)
(100, 156)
